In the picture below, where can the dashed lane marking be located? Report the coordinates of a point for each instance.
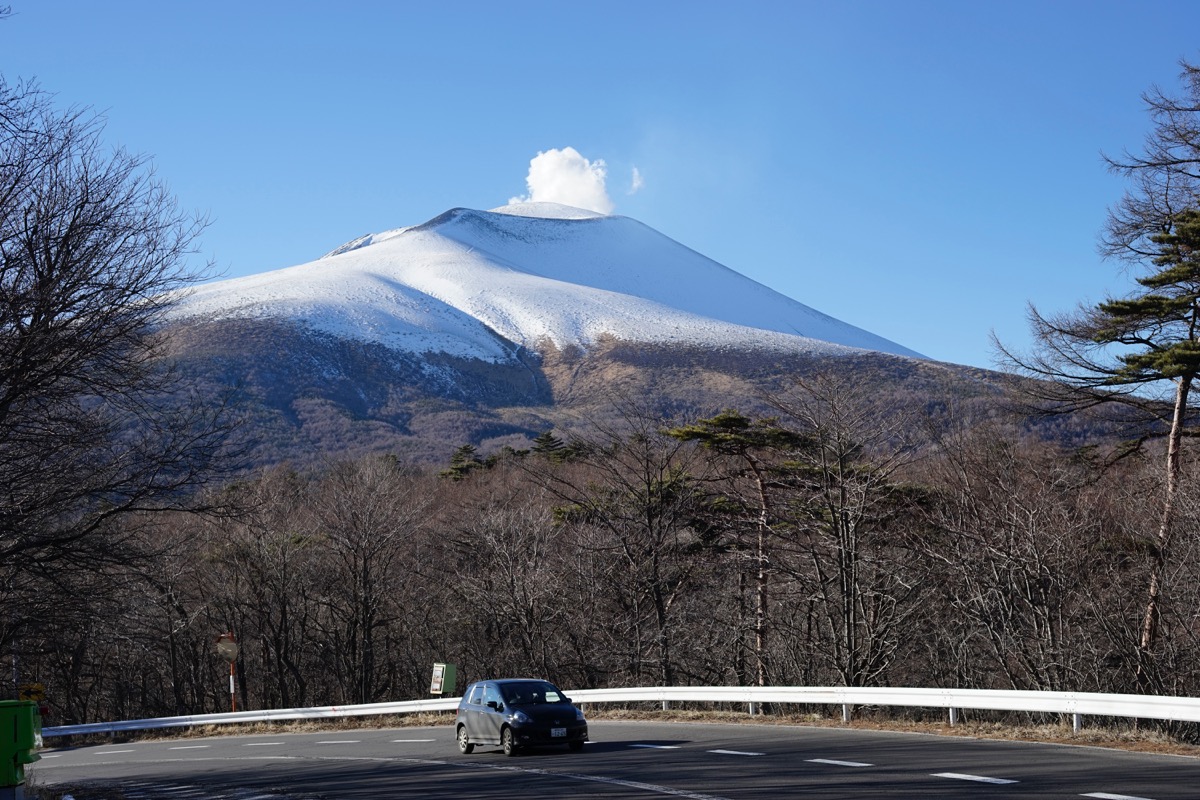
(190, 747)
(340, 741)
(1107, 796)
(958, 776)
(837, 763)
(181, 791)
(735, 753)
(656, 746)
(408, 741)
(262, 744)
(110, 752)
(575, 776)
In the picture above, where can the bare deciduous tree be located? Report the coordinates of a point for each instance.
(1015, 550)
(630, 497)
(513, 589)
(846, 511)
(367, 515)
(94, 424)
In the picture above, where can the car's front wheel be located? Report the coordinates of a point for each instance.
(464, 741)
(508, 742)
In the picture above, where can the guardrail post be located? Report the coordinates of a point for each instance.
(752, 708)
(1076, 722)
(666, 705)
(846, 713)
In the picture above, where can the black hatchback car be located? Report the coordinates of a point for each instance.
(516, 713)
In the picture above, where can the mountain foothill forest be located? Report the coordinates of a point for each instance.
(625, 516)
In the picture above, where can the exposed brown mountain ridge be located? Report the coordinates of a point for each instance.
(307, 396)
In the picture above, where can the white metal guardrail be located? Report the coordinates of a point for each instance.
(1077, 704)
(270, 715)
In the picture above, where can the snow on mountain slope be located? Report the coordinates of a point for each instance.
(475, 283)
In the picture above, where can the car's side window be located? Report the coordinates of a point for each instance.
(476, 697)
(491, 694)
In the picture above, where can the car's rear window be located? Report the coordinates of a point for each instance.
(532, 693)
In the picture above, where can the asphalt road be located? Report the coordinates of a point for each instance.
(628, 760)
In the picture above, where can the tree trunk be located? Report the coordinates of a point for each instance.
(1159, 550)
(760, 587)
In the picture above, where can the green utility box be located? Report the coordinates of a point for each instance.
(20, 738)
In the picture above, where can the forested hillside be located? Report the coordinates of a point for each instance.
(830, 545)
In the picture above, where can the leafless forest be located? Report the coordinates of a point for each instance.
(822, 547)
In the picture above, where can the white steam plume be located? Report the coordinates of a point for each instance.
(564, 176)
(636, 182)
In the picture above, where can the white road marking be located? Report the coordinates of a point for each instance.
(51, 755)
(144, 790)
(340, 741)
(735, 753)
(404, 741)
(977, 778)
(656, 746)
(644, 787)
(111, 752)
(1107, 796)
(837, 763)
(261, 744)
(190, 747)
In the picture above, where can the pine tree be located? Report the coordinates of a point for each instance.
(1117, 351)
(462, 463)
(1161, 328)
(550, 447)
(746, 441)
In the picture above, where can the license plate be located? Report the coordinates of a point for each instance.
(556, 732)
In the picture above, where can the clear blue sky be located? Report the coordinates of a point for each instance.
(919, 169)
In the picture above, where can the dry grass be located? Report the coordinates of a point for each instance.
(1130, 738)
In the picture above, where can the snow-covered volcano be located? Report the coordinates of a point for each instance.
(480, 284)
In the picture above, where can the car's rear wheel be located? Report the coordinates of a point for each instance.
(464, 741)
(508, 742)
(575, 746)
